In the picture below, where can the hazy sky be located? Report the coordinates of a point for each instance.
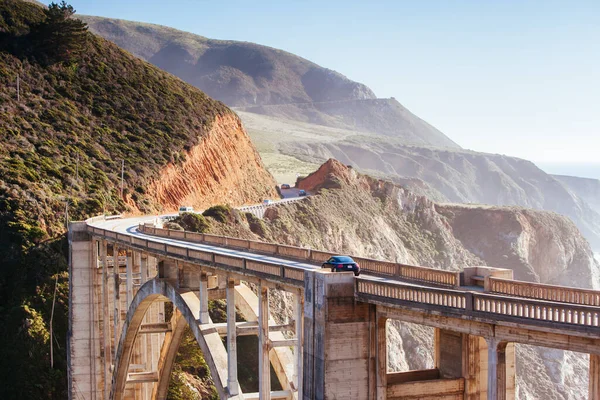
(514, 77)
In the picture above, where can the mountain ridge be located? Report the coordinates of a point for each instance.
(244, 74)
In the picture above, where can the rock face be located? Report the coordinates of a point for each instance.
(223, 168)
(367, 217)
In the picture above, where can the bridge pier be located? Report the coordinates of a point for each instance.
(594, 386)
(264, 364)
(203, 296)
(496, 389)
(381, 346)
(232, 375)
(299, 331)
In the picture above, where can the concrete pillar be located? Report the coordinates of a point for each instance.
(381, 350)
(339, 339)
(299, 330)
(232, 376)
(496, 369)
(594, 377)
(116, 298)
(105, 319)
(264, 365)
(129, 277)
(82, 340)
(143, 268)
(203, 295)
(449, 353)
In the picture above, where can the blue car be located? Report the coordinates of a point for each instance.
(342, 264)
(302, 192)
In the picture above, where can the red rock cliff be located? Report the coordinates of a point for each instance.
(223, 168)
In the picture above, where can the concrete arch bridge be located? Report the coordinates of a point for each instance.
(135, 287)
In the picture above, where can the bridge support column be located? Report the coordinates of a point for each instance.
(116, 297)
(340, 357)
(129, 277)
(496, 369)
(105, 319)
(264, 365)
(232, 376)
(381, 367)
(594, 377)
(299, 330)
(203, 295)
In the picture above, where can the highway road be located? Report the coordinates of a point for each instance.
(129, 226)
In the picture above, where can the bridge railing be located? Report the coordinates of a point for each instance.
(287, 274)
(537, 310)
(415, 294)
(376, 267)
(542, 291)
(479, 305)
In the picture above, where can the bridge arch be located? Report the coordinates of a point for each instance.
(148, 293)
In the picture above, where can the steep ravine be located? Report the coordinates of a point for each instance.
(367, 217)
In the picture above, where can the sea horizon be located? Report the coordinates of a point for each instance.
(581, 170)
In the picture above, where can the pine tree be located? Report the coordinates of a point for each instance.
(59, 37)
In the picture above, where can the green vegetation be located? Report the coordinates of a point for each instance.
(193, 222)
(83, 106)
(220, 213)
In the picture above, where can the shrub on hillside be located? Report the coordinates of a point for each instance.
(220, 213)
(174, 226)
(192, 222)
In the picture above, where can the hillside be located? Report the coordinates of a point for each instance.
(83, 107)
(268, 80)
(383, 116)
(586, 188)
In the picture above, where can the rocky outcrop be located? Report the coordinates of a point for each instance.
(223, 168)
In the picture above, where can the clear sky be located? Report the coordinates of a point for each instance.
(514, 77)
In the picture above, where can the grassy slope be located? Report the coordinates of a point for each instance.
(65, 139)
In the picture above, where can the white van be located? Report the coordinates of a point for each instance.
(185, 209)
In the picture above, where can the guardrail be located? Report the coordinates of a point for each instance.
(375, 267)
(283, 273)
(541, 291)
(479, 305)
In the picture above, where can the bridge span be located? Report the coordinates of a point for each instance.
(134, 287)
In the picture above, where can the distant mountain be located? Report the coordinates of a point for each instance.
(269, 81)
(237, 73)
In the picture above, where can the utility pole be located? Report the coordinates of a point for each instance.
(122, 172)
(51, 320)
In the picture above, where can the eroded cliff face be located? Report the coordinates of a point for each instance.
(223, 168)
(538, 246)
(363, 216)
